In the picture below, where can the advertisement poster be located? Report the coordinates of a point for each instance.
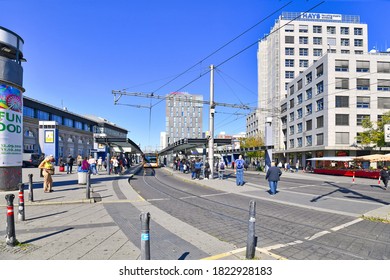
(11, 132)
(49, 136)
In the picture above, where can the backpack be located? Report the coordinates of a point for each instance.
(222, 165)
(240, 164)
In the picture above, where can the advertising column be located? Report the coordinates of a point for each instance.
(11, 106)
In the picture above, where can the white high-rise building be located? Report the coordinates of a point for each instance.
(183, 114)
(295, 42)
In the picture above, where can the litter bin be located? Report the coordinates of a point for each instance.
(82, 177)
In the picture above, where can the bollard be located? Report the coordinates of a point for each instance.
(88, 189)
(251, 241)
(353, 178)
(21, 212)
(145, 236)
(379, 180)
(30, 188)
(10, 238)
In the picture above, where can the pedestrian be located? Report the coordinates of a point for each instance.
(69, 164)
(100, 163)
(92, 164)
(239, 170)
(273, 176)
(198, 168)
(206, 170)
(47, 168)
(193, 171)
(297, 166)
(84, 165)
(221, 169)
(79, 160)
(384, 174)
(115, 165)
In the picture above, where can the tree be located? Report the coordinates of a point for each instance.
(374, 133)
(251, 142)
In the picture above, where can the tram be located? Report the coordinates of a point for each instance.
(150, 160)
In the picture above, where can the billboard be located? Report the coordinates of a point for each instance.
(11, 123)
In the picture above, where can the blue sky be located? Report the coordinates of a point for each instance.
(78, 51)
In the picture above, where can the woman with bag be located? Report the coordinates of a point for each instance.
(47, 169)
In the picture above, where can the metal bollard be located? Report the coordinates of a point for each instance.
(10, 238)
(30, 188)
(252, 240)
(145, 236)
(21, 212)
(88, 188)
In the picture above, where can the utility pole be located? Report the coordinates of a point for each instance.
(211, 125)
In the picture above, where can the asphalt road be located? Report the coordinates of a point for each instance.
(313, 217)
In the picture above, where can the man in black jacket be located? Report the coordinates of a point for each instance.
(273, 176)
(384, 176)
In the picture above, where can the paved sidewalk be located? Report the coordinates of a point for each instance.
(65, 224)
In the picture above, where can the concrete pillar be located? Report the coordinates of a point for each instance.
(11, 109)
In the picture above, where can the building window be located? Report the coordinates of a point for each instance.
(291, 130)
(358, 42)
(342, 138)
(41, 115)
(317, 29)
(303, 28)
(358, 52)
(331, 30)
(291, 143)
(342, 83)
(289, 28)
(331, 41)
(383, 67)
(344, 30)
(342, 119)
(28, 112)
(309, 140)
(383, 85)
(317, 52)
(289, 74)
(68, 122)
(341, 65)
(383, 102)
(358, 31)
(360, 118)
(320, 139)
(309, 93)
(299, 128)
(309, 125)
(289, 39)
(320, 70)
(291, 90)
(309, 78)
(299, 99)
(309, 109)
(56, 118)
(363, 102)
(283, 107)
(289, 63)
(320, 122)
(303, 40)
(320, 87)
(78, 125)
(317, 41)
(299, 112)
(291, 116)
(299, 140)
(303, 63)
(344, 42)
(345, 51)
(289, 51)
(320, 104)
(362, 66)
(363, 84)
(342, 101)
(303, 52)
(292, 103)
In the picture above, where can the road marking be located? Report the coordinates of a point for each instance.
(346, 225)
(206, 195)
(303, 186)
(317, 235)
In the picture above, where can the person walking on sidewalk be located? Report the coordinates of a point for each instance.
(239, 170)
(47, 168)
(384, 173)
(69, 164)
(92, 164)
(273, 176)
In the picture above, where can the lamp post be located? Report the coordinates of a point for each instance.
(268, 143)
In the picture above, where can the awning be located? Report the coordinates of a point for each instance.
(332, 159)
(121, 145)
(374, 158)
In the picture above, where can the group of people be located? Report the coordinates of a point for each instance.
(197, 168)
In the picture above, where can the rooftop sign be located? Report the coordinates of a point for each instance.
(318, 16)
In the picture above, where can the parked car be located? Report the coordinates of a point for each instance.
(30, 160)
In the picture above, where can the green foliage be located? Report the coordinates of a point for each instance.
(374, 132)
(251, 142)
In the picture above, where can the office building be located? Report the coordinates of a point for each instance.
(184, 119)
(295, 42)
(326, 104)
